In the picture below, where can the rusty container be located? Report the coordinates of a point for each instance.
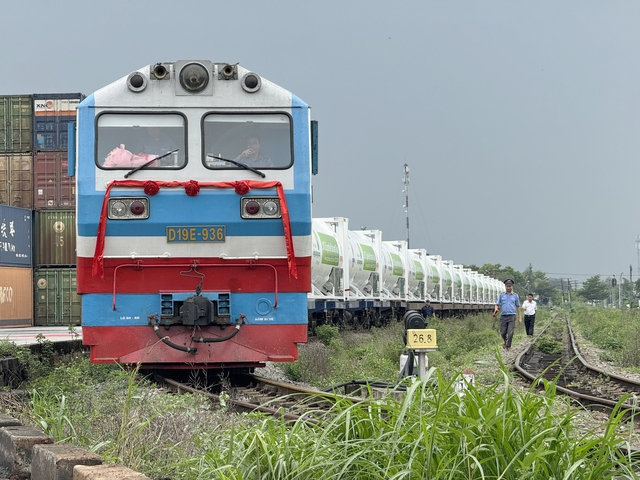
(16, 182)
(54, 234)
(16, 297)
(53, 188)
(16, 123)
(56, 299)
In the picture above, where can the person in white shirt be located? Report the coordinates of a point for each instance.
(529, 306)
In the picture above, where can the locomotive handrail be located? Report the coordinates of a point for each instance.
(139, 265)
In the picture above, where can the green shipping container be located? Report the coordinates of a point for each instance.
(56, 299)
(16, 123)
(54, 232)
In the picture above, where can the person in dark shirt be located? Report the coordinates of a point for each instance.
(251, 155)
(427, 311)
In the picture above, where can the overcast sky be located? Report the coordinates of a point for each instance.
(519, 120)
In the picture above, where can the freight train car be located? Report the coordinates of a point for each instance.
(359, 278)
(193, 217)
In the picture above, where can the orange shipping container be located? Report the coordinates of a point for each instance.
(16, 297)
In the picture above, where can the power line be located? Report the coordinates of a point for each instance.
(578, 274)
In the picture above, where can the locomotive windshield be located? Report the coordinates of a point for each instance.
(129, 140)
(258, 140)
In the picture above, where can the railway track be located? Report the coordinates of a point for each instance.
(588, 385)
(250, 393)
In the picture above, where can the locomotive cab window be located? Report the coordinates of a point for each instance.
(258, 140)
(129, 140)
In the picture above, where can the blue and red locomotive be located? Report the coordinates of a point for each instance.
(194, 218)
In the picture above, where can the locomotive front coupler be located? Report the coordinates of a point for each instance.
(239, 321)
(154, 323)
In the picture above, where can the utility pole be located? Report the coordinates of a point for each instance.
(405, 180)
(630, 284)
(562, 287)
(620, 292)
(638, 250)
(613, 290)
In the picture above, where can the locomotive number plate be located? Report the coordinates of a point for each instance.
(206, 233)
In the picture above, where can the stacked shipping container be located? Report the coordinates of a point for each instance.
(33, 176)
(16, 274)
(56, 300)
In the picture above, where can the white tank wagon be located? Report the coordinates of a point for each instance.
(357, 278)
(347, 285)
(363, 254)
(434, 278)
(393, 257)
(483, 289)
(327, 260)
(476, 287)
(467, 285)
(447, 281)
(417, 274)
(457, 283)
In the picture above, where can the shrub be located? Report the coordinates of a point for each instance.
(548, 345)
(326, 333)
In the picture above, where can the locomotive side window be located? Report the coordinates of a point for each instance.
(258, 140)
(128, 140)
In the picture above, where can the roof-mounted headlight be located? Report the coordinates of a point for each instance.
(194, 78)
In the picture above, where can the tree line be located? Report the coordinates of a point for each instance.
(595, 290)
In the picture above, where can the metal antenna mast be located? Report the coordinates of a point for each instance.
(638, 250)
(406, 197)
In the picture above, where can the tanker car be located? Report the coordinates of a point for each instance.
(359, 278)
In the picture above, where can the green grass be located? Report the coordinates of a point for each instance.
(492, 431)
(616, 332)
(375, 353)
(488, 433)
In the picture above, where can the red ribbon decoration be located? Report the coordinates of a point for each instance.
(151, 188)
(192, 188)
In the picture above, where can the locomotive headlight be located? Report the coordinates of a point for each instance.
(194, 77)
(136, 82)
(118, 209)
(265, 208)
(270, 208)
(251, 82)
(252, 207)
(137, 207)
(128, 208)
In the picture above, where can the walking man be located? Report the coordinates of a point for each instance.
(427, 311)
(508, 304)
(529, 306)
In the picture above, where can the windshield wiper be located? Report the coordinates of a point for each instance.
(239, 164)
(131, 172)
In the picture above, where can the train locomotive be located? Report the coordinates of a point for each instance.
(193, 217)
